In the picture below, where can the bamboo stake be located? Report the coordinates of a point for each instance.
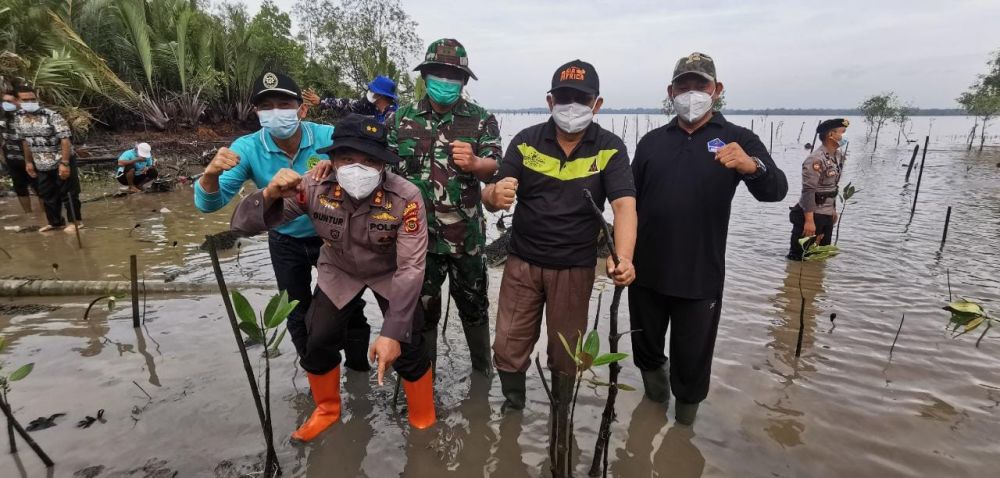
(944, 235)
(271, 458)
(894, 339)
(134, 279)
(920, 176)
(5, 407)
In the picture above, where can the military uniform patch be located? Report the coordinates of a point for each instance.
(384, 216)
(817, 166)
(411, 216)
(325, 201)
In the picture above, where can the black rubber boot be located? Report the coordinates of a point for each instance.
(686, 413)
(514, 389)
(478, 338)
(356, 348)
(657, 384)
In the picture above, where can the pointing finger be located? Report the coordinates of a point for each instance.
(381, 370)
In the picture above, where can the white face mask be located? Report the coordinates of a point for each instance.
(30, 107)
(358, 180)
(572, 118)
(281, 123)
(370, 97)
(693, 105)
(9, 107)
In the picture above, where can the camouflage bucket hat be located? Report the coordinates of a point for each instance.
(697, 63)
(448, 52)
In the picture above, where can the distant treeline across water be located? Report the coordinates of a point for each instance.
(771, 112)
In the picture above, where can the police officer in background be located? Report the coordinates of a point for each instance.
(374, 232)
(816, 212)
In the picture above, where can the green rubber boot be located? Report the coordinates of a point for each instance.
(686, 413)
(514, 389)
(478, 338)
(657, 384)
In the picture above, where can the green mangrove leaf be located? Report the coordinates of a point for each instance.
(272, 305)
(569, 351)
(3, 343)
(972, 324)
(598, 383)
(585, 360)
(252, 331)
(608, 358)
(21, 372)
(281, 314)
(965, 307)
(243, 309)
(593, 344)
(805, 240)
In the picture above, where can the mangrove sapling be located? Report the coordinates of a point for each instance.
(271, 458)
(585, 356)
(111, 305)
(12, 423)
(968, 316)
(257, 326)
(845, 196)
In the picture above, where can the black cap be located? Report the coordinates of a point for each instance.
(364, 134)
(831, 124)
(578, 75)
(271, 82)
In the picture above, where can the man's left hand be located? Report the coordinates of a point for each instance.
(732, 156)
(63, 171)
(622, 275)
(386, 351)
(464, 157)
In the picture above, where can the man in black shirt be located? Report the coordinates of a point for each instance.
(553, 245)
(686, 174)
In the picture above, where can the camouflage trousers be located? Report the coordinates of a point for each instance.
(468, 286)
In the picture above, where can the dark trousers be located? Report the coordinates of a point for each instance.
(138, 179)
(293, 259)
(19, 176)
(824, 227)
(694, 323)
(326, 326)
(468, 285)
(58, 193)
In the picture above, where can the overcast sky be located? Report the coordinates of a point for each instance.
(768, 54)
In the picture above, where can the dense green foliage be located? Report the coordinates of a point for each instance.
(176, 63)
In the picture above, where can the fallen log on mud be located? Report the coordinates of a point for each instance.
(40, 287)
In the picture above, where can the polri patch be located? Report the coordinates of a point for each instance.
(715, 145)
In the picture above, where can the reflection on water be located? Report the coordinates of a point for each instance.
(841, 409)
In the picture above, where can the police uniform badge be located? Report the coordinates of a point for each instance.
(270, 80)
(411, 224)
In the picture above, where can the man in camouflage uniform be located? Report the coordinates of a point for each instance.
(448, 145)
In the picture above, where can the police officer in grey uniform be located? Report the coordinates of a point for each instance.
(816, 212)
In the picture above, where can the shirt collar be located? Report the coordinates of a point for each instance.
(716, 119)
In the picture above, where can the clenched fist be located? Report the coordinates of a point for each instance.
(285, 183)
(504, 192)
(224, 160)
(732, 156)
(463, 156)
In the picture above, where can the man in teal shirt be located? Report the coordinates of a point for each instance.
(136, 167)
(284, 141)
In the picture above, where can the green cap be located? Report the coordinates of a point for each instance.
(448, 52)
(697, 63)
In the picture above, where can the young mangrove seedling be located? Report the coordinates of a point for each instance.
(968, 316)
(813, 253)
(586, 357)
(257, 326)
(12, 423)
(845, 196)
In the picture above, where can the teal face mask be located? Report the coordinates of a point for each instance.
(443, 91)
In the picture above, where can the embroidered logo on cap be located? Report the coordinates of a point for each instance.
(270, 80)
(573, 73)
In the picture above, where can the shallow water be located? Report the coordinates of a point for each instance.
(842, 409)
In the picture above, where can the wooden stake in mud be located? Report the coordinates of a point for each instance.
(944, 235)
(76, 223)
(913, 159)
(5, 407)
(604, 432)
(271, 458)
(134, 267)
(920, 175)
(894, 339)
(770, 146)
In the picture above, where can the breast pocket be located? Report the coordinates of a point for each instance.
(382, 235)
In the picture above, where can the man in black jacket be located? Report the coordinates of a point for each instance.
(686, 174)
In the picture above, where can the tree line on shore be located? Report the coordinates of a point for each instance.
(178, 63)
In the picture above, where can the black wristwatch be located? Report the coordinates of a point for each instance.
(761, 169)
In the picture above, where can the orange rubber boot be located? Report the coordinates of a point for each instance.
(420, 401)
(326, 394)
